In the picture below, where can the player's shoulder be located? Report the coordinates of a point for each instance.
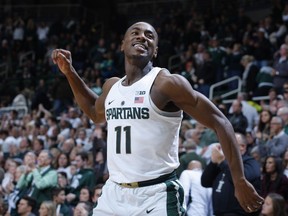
(165, 77)
(110, 82)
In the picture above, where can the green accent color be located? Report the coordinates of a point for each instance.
(175, 199)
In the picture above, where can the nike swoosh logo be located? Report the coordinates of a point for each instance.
(110, 102)
(148, 211)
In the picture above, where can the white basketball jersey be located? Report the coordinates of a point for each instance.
(142, 140)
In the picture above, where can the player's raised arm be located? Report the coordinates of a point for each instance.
(91, 104)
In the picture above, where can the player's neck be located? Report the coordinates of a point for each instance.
(134, 73)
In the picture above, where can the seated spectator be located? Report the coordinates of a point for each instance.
(83, 177)
(82, 209)
(63, 163)
(271, 103)
(26, 206)
(285, 163)
(198, 199)
(237, 119)
(273, 178)
(217, 175)
(248, 111)
(249, 74)
(274, 204)
(39, 179)
(83, 139)
(280, 67)
(97, 191)
(85, 194)
(47, 208)
(262, 130)
(207, 137)
(283, 113)
(63, 181)
(8, 183)
(59, 202)
(206, 75)
(264, 81)
(190, 155)
(278, 140)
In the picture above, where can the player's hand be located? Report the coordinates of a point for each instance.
(63, 59)
(247, 197)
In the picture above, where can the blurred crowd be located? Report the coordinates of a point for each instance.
(53, 159)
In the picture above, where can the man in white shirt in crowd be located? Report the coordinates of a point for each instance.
(198, 199)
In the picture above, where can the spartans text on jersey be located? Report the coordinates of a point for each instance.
(127, 113)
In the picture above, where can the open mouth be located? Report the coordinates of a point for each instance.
(140, 46)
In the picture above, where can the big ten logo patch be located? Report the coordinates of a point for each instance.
(140, 93)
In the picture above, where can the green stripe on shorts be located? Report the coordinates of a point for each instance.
(175, 198)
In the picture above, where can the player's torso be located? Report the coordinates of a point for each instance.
(142, 144)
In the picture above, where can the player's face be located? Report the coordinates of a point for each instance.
(140, 41)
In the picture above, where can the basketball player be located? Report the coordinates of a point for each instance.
(143, 111)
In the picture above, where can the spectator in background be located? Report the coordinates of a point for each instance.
(82, 209)
(190, 72)
(73, 117)
(217, 175)
(59, 202)
(264, 81)
(97, 191)
(234, 68)
(207, 137)
(63, 181)
(249, 74)
(283, 113)
(47, 208)
(24, 147)
(195, 136)
(83, 139)
(15, 194)
(199, 55)
(67, 146)
(285, 163)
(274, 205)
(206, 74)
(273, 178)
(85, 194)
(280, 67)
(198, 199)
(41, 96)
(261, 48)
(189, 155)
(218, 54)
(40, 178)
(83, 177)
(262, 130)
(63, 163)
(278, 140)
(8, 183)
(272, 102)
(237, 119)
(248, 110)
(37, 146)
(26, 206)
(62, 96)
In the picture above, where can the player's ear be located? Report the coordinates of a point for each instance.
(155, 52)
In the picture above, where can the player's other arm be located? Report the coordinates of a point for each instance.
(179, 91)
(176, 89)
